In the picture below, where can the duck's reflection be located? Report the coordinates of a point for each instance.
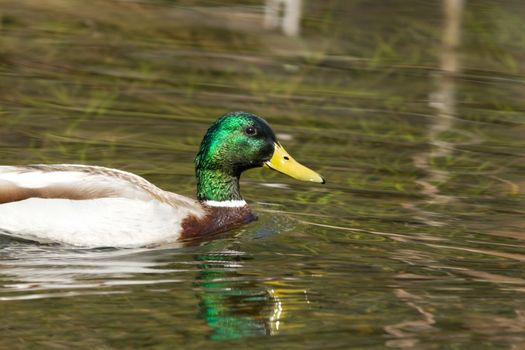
(233, 301)
(233, 304)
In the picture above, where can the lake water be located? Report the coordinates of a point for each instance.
(412, 110)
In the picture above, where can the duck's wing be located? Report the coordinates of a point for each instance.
(89, 206)
(81, 182)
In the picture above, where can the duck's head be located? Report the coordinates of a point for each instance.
(234, 143)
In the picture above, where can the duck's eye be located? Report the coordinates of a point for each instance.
(250, 131)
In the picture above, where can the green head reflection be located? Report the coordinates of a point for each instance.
(235, 305)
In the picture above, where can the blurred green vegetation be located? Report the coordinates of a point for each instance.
(135, 84)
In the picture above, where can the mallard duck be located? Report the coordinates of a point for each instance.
(93, 206)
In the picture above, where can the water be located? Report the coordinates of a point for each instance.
(416, 240)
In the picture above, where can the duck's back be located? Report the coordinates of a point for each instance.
(88, 206)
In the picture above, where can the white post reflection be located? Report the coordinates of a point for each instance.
(283, 14)
(443, 100)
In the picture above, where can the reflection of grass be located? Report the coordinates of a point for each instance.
(489, 31)
(134, 85)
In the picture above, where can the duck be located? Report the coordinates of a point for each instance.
(93, 206)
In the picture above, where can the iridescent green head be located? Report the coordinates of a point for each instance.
(236, 142)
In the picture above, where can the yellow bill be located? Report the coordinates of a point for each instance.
(282, 162)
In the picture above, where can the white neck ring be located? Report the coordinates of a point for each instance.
(226, 204)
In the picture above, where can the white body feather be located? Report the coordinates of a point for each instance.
(134, 213)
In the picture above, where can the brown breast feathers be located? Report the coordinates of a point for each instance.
(216, 219)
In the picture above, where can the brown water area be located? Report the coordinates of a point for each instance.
(413, 110)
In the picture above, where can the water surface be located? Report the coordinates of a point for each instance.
(412, 110)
